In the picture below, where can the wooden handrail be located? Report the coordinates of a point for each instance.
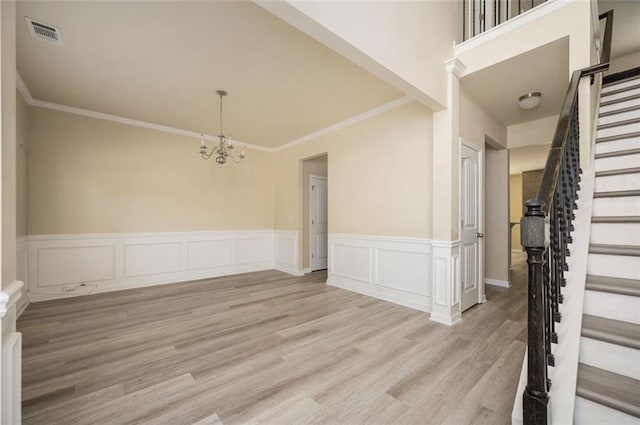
(546, 229)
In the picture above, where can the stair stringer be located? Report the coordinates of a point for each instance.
(564, 374)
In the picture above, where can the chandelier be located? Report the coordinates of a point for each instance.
(225, 146)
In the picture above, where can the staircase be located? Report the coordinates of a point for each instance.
(608, 384)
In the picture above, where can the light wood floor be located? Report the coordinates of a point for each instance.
(268, 348)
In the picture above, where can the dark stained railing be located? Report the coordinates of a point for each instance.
(545, 235)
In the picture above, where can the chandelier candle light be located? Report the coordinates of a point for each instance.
(225, 145)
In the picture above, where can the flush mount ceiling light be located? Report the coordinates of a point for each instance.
(530, 100)
(225, 146)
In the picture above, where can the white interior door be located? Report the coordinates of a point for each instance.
(318, 223)
(471, 252)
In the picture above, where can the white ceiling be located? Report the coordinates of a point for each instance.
(161, 62)
(528, 158)
(498, 87)
(626, 25)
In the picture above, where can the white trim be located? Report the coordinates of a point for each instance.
(512, 24)
(348, 122)
(10, 296)
(517, 251)
(28, 98)
(455, 66)
(23, 90)
(496, 282)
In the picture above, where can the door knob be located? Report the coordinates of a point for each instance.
(480, 235)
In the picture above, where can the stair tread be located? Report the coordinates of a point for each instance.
(618, 137)
(616, 194)
(618, 153)
(606, 173)
(610, 389)
(619, 123)
(618, 111)
(606, 249)
(613, 331)
(622, 90)
(620, 100)
(615, 219)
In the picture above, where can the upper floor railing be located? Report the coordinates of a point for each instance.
(546, 230)
(481, 15)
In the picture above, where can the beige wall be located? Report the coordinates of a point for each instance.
(397, 35)
(95, 176)
(496, 218)
(8, 123)
(475, 124)
(310, 167)
(515, 208)
(379, 176)
(625, 62)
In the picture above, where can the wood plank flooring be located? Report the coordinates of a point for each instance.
(268, 348)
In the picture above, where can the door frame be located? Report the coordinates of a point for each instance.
(481, 150)
(313, 177)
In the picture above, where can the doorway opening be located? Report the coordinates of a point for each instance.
(315, 213)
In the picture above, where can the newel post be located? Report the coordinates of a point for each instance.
(534, 238)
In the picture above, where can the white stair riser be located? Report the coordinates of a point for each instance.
(589, 413)
(622, 116)
(612, 306)
(618, 162)
(621, 85)
(615, 266)
(615, 233)
(619, 105)
(618, 182)
(628, 92)
(620, 129)
(612, 357)
(618, 145)
(625, 206)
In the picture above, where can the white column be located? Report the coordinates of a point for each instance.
(446, 217)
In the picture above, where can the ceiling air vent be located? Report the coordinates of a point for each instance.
(44, 32)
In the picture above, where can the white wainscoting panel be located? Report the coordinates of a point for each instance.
(286, 252)
(151, 258)
(394, 269)
(70, 265)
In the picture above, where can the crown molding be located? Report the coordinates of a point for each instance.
(28, 98)
(455, 66)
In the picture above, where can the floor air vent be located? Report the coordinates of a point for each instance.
(44, 32)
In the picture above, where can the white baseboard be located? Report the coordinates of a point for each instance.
(517, 251)
(393, 269)
(61, 266)
(496, 282)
